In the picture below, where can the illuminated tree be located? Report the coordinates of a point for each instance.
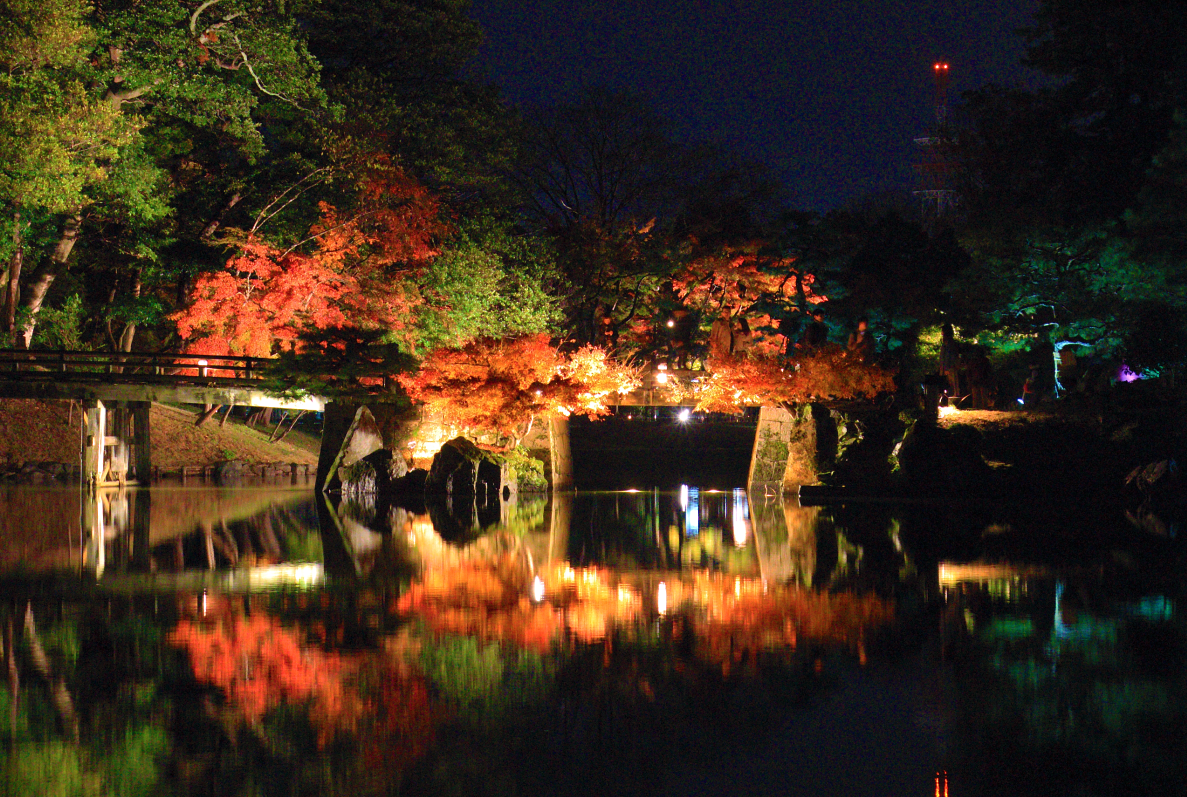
(829, 373)
(504, 384)
(361, 271)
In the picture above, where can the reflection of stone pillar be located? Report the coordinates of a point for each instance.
(784, 539)
(562, 454)
(802, 523)
(116, 516)
(92, 445)
(139, 530)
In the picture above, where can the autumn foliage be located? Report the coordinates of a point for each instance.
(732, 281)
(360, 271)
(503, 384)
(828, 373)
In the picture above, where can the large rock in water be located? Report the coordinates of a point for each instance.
(455, 469)
(944, 461)
(360, 439)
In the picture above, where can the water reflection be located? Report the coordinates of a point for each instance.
(265, 642)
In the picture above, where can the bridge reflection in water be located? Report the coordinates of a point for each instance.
(174, 535)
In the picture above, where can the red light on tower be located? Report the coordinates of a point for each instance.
(941, 70)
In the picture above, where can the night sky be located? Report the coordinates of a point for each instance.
(828, 93)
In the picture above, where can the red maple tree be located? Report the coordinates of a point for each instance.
(359, 270)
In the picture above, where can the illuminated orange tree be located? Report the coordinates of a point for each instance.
(737, 281)
(828, 373)
(502, 385)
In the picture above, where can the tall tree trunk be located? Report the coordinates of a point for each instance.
(12, 294)
(212, 226)
(45, 274)
(14, 676)
(130, 327)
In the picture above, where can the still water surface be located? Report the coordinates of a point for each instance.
(258, 640)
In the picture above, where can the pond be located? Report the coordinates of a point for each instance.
(263, 640)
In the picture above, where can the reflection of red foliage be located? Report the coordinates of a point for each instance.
(406, 725)
(741, 620)
(473, 600)
(258, 664)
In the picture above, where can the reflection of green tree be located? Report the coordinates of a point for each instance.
(490, 677)
(125, 744)
(1083, 706)
(523, 516)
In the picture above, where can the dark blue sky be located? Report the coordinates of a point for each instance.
(828, 93)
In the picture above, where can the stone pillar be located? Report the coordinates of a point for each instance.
(120, 455)
(786, 449)
(562, 454)
(93, 444)
(336, 422)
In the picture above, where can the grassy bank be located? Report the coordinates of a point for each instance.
(49, 431)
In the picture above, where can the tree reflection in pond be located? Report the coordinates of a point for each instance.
(613, 643)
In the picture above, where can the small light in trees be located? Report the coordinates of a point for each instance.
(671, 323)
(661, 378)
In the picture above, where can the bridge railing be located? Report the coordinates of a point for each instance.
(134, 366)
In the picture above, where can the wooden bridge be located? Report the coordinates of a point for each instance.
(115, 377)
(117, 390)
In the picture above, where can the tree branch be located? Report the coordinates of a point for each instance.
(256, 78)
(197, 13)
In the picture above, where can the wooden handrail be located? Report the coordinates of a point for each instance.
(217, 368)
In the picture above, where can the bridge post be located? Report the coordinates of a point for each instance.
(142, 440)
(93, 445)
(120, 457)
